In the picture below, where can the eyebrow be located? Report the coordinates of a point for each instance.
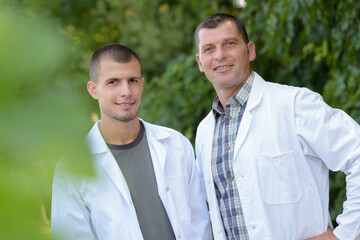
(206, 45)
(231, 39)
(116, 79)
(111, 79)
(223, 41)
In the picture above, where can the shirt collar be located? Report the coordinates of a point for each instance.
(239, 98)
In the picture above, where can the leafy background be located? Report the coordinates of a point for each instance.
(46, 45)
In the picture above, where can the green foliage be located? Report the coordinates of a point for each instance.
(42, 119)
(44, 70)
(179, 98)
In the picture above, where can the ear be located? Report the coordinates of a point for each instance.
(252, 52)
(142, 83)
(91, 87)
(199, 63)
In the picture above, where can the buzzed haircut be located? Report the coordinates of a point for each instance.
(215, 20)
(116, 52)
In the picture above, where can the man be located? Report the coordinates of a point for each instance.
(146, 183)
(265, 149)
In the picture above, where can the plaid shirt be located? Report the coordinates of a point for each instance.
(227, 126)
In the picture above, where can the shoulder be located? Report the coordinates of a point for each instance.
(281, 94)
(205, 128)
(162, 133)
(64, 175)
(280, 90)
(206, 121)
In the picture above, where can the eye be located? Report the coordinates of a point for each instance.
(207, 49)
(134, 81)
(111, 82)
(230, 43)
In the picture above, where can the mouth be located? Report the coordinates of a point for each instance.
(223, 67)
(125, 103)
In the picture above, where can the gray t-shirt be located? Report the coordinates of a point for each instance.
(135, 162)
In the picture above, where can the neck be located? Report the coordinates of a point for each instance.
(226, 93)
(119, 133)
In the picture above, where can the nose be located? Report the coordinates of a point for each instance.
(125, 90)
(219, 53)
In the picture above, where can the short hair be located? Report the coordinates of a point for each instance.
(215, 20)
(116, 52)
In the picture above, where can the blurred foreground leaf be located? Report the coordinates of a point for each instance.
(42, 119)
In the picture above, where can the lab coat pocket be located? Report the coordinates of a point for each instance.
(178, 187)
(279, 178)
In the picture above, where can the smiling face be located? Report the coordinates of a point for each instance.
(118, 88)
(225, 58)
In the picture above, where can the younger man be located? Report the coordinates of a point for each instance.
(146, 184)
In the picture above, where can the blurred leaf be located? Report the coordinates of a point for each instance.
(43, 118)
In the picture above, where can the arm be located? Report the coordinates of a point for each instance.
(331, 136)
(199, 166)
(70, 218)
(199, 211)
(328, 235)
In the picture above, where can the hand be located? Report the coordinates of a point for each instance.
(328, 235)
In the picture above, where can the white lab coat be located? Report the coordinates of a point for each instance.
(287, 140)
(102, 208)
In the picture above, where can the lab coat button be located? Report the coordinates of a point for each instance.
(167, 189)
(179, 236)
(242, 175)
(219, 231)
(253, 226)
(209, 181)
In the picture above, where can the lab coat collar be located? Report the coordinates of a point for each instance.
(156, 136)
(95, 140)
(156, 132)
(104, 158)
(98, 145)
(256, 93)
(208, 123)
(255, 97)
